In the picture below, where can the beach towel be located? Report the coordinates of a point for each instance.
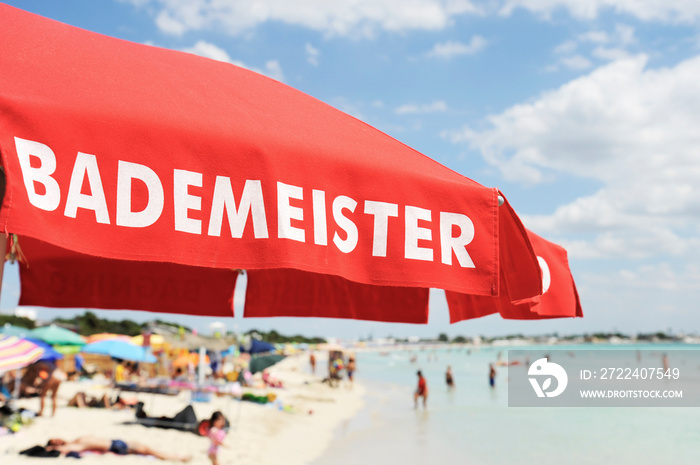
(40, 451)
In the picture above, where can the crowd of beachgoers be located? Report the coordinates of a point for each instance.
(236, 410)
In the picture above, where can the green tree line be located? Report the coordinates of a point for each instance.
(17, 321)
(88, 324)
(274, 337)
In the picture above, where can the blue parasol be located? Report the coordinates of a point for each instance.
(258, 347)
(120, 349)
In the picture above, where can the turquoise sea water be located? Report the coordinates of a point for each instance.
(473, 424)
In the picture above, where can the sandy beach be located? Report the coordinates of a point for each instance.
(258, 434)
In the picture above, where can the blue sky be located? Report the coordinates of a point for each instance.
(585, 113)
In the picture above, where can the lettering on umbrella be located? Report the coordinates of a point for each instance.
(455, 230)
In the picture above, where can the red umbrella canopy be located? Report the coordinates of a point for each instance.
(559, 299)
(143, 178)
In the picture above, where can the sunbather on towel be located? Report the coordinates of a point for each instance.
(117, 446)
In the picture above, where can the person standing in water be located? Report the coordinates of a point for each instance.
(492, 376)
(312, 362)
(421, 391)
(448, 378)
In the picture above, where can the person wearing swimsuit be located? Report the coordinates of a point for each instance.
(421, 390)
(216, 435)
(448, 378)
(116, 446)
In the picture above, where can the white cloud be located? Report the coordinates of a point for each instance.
(274, 70)
(170, 25)
(644, 298)
(630, 128)
(412, 109)
(596, 37)
(208, 50)
(610, 54)
(611, 47)
(312, 54)
(367, 17)
(625, 35)
(349, 17)
(576, 62)
(658, 277)
(671, 11)
(608, 46)
(566, 47)
(451, 49)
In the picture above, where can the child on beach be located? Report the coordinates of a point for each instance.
(216, 434)
(350, 369)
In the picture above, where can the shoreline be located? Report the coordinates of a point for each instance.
(258, 434)
(360, 439)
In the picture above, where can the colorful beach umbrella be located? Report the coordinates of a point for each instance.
(57, 336)
(131, 186)
(156, 341)
(17, 353)
(116, 348)
(255, 346)
(50, 354)
(11, 330)
(264, 362)
(68, 349)
(187, 358)
(107, 336)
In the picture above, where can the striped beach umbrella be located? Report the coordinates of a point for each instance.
(50, 354)
(16, 353)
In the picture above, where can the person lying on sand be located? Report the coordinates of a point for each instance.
(117, 446)
(82, 400)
